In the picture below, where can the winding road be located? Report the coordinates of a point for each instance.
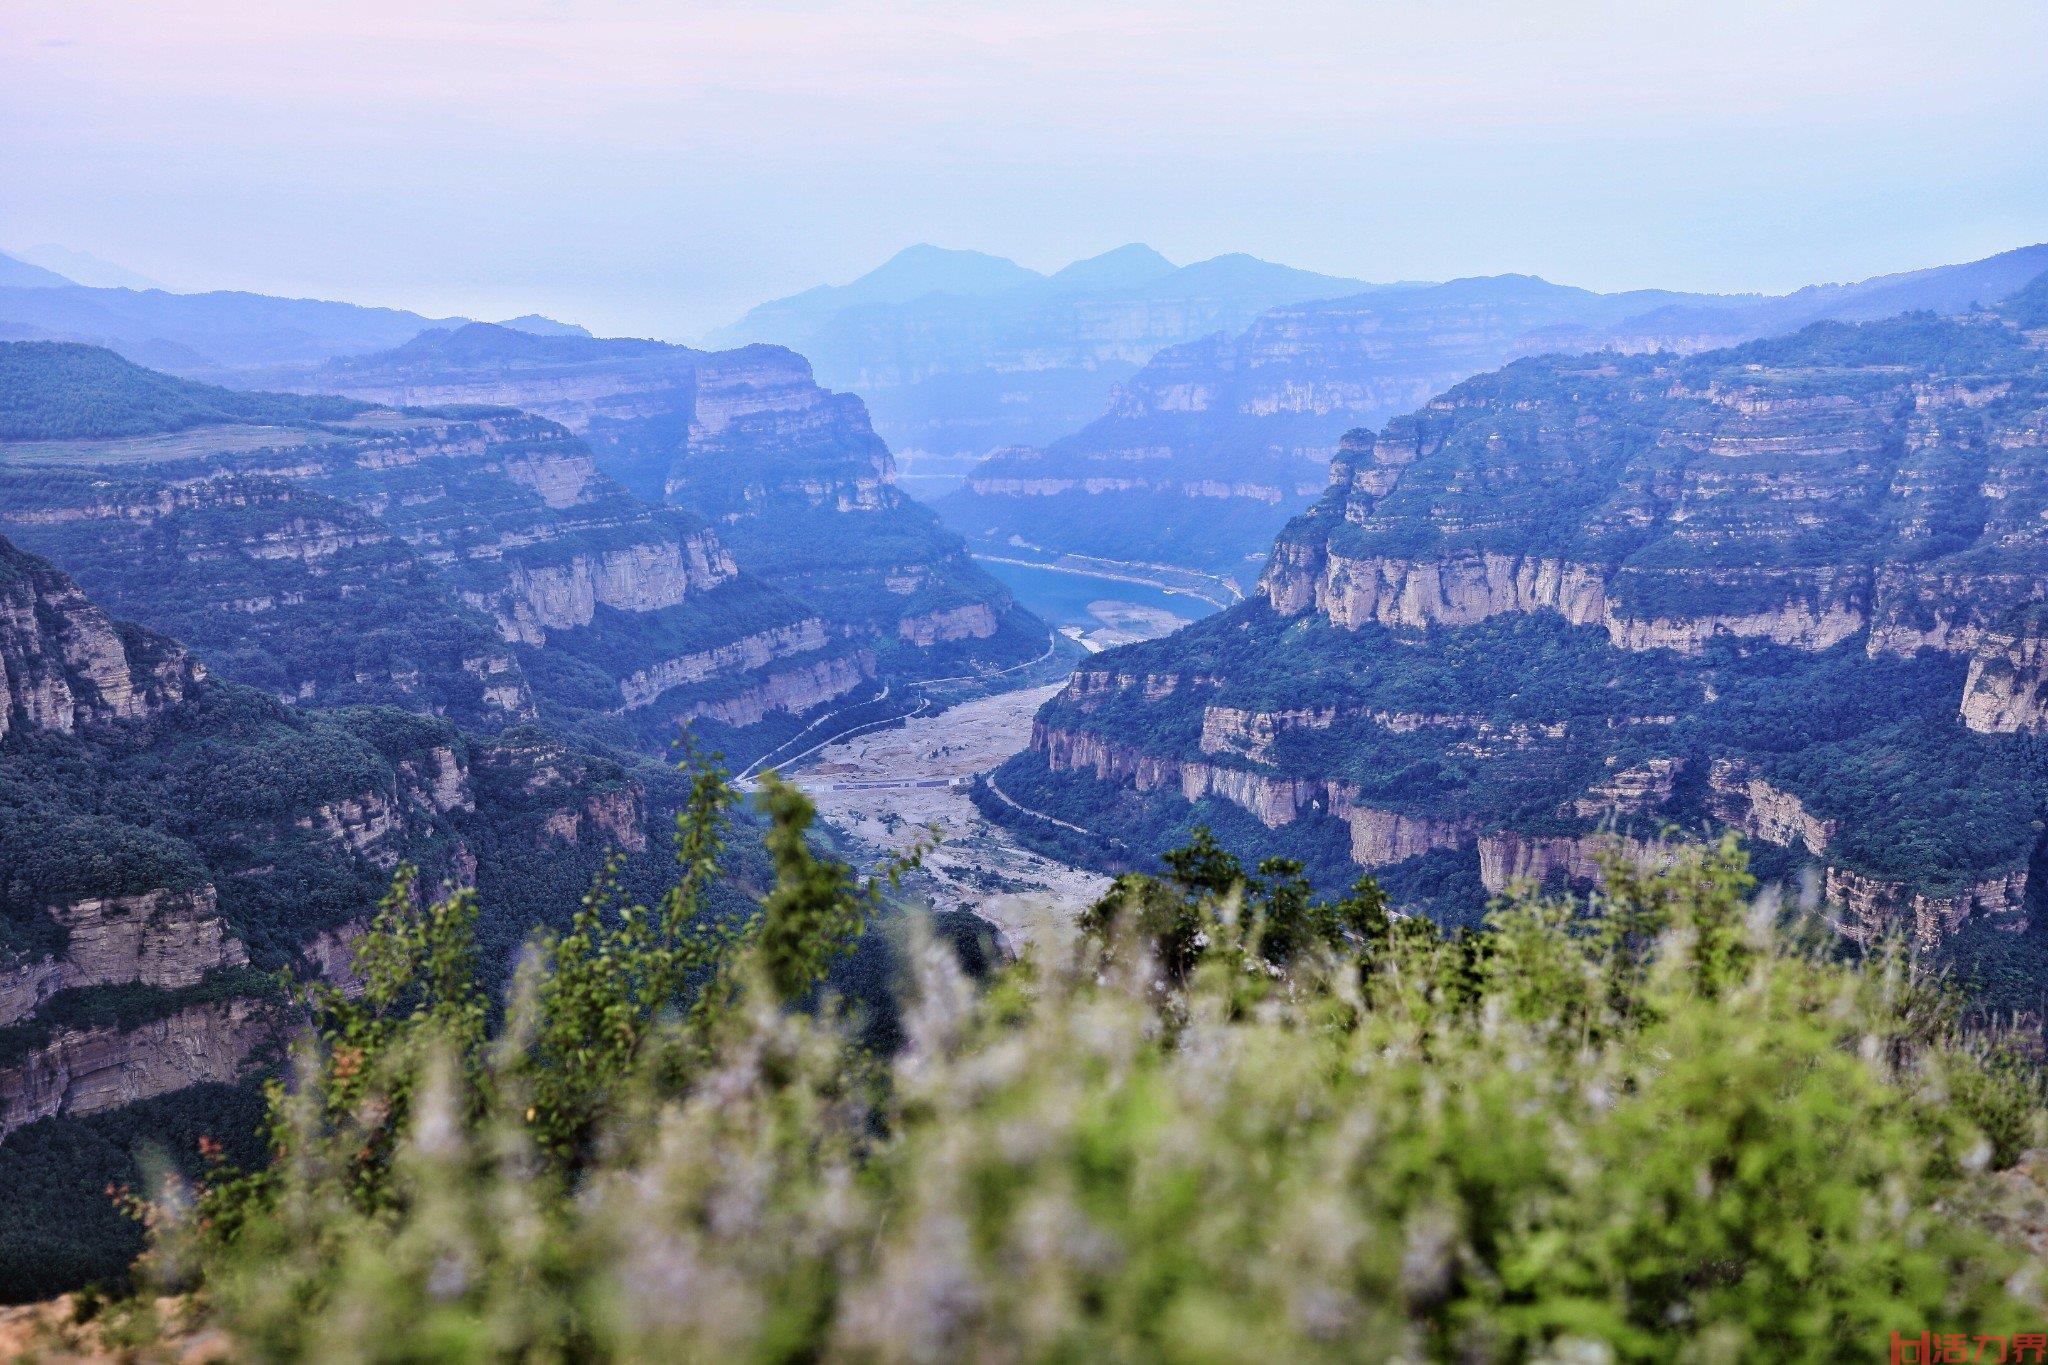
(924, 704)
(1016, 805)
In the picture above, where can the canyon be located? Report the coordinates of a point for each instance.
(1200, 457)
(1792, 588)
(790, 477)
(469, 562)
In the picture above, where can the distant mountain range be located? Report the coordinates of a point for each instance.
(958, 353)
(224, 335)
(1200, 456)
(17, 273)
(72, 266)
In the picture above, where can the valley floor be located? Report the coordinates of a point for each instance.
(889, 789)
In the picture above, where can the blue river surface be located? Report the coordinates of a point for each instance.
(1062, 599)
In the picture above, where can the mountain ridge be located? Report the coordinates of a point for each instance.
(950, 376)
(1790, 587)
(1200, 455)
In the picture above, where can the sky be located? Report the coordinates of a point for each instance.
(655, 167)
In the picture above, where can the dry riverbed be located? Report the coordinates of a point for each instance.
(886, 790)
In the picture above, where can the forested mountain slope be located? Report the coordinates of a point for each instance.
(466, 561)
(1795, 587)
(173, 839)
(1202, 455)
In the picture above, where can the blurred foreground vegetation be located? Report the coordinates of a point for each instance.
(1232, 1122)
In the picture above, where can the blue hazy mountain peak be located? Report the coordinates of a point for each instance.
(16, 273)
(1238, 272)
(82, 267)
(925, 269)
(540, 325)
(1125, 267)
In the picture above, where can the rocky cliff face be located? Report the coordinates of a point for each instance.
(2006, 692)
(1774, 588)
(90, 1070)
(162, 938)
(798, 489)
(794, 686)
(1761, 511)
(643, 577)
(64, 664)
(748, 654)
(975, 621)
(173, 839)
(437, 560)
(799, 484)
(1740, 798)
(1868, 908)
(310, 598)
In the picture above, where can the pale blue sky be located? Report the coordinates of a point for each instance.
(657, 167)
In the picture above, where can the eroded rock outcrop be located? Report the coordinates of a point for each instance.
(643, 577)
(1867, 908)
(64, 664)
(165, 939)
(1506, 858)
(1250, 734)
(747, 654)
(1633, 790)
(974, 621)
(2007, 689)
(1381, 838)
(1812, 611)
(793, 686)
(1749, 803)
(90, 1070)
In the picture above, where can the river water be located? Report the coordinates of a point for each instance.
(1062, 598)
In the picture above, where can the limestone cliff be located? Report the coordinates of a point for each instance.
(1773, 588)
(794, 686)
(167, 939)
(1746, 801)
(90, 1070)
(65, 665)
(1198, 458)
(747, 654)
(800, 490)
(2007, 688)
(643, 577)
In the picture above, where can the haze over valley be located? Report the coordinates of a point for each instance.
(933, 682)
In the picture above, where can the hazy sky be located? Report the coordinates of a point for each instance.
(655, 168)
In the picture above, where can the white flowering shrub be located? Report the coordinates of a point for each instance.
(1234, 1124)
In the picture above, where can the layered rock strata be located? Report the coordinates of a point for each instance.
(1775, 588)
